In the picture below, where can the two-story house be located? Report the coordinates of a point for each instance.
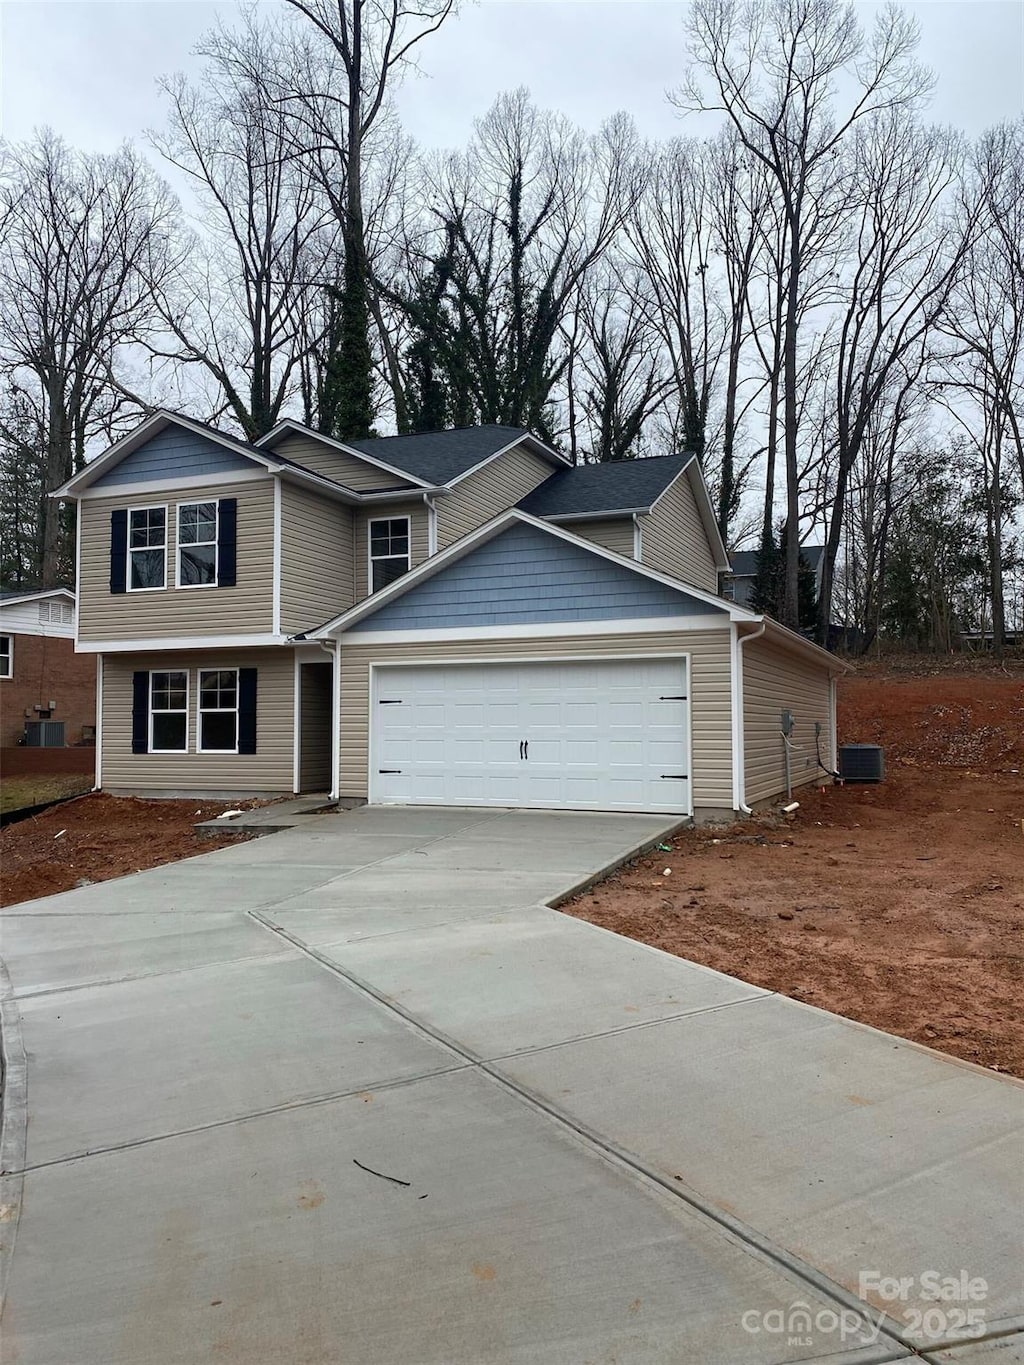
(457, 618)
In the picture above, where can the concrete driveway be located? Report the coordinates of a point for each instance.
(352, 1093)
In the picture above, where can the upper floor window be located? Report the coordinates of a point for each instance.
(6, 656)
(389, 551)
(56, 613)
(147, 548)
(197, 544)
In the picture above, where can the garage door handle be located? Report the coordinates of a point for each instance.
(676, 777)
(388, 771)
(671, 698)
(526, 748)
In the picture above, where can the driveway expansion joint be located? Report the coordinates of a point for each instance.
(605, 1149)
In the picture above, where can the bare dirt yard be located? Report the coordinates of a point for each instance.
(900, 905)
(98, 837)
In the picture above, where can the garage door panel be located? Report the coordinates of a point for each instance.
(599, 735)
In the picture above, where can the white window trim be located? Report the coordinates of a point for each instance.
(9, 675)
(201, 710)
(370, 561)
(149, 507)
(152, 749)
(196, 502)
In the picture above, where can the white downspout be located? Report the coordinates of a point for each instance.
(333, 648)
(739, 756)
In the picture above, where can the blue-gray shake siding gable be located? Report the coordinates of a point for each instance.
(174, 454)
(525, 576)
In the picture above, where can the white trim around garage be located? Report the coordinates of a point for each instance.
(541, 630)
(639, 655)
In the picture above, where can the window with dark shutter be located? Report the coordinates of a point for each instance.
(119, 550)
(247, 710)
(140, 711)
(227, 543)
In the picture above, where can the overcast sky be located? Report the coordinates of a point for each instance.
(89, 69)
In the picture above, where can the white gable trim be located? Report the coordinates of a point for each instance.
(37, 594)
(541, 630)
(527, 438)
(151, 427)
(134, 490)
(487, 532)
(296, 428)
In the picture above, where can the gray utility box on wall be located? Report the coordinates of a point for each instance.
(44, 734)
(862, 763)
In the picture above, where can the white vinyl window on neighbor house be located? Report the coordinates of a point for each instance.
(197, 544)
(6, 656)
(390, 551)
(168, 712)
(218, 711)
(147, 548)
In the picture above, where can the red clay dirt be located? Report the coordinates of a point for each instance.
(103, 837)
(900, 905)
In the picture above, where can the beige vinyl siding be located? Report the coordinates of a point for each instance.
(614, 533)
(495, 488)
(418, 539)
(710, 703)
(246, 609)
(674, 541)
(349, 470)
(270, 769)
(775, 680)
(316, 559)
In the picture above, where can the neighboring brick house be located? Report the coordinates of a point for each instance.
(42, 678)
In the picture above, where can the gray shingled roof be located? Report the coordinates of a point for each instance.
(744, 562)
(15, 594)
(619, 486)
(439, 456)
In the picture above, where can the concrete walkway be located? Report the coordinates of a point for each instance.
(352, 1093)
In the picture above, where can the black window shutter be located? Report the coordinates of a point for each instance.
(247, 710)
(227, 542)
(140, 712)
(118, 550)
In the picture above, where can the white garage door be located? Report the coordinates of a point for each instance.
(583, 735)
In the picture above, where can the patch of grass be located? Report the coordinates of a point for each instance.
(18, 792)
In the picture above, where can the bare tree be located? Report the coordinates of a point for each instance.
(335, 86)
(893, 287)
(775, 69)
(83, 241)
(517, 223)
(266, 236)
(618, 378)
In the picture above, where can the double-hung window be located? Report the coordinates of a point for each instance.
(218, 710)
(197, 545)
(6, 656)
(168, 712)
(147, 548)
(389, 551)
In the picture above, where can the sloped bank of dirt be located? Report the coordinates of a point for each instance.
(98, 837)
(900, 905)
